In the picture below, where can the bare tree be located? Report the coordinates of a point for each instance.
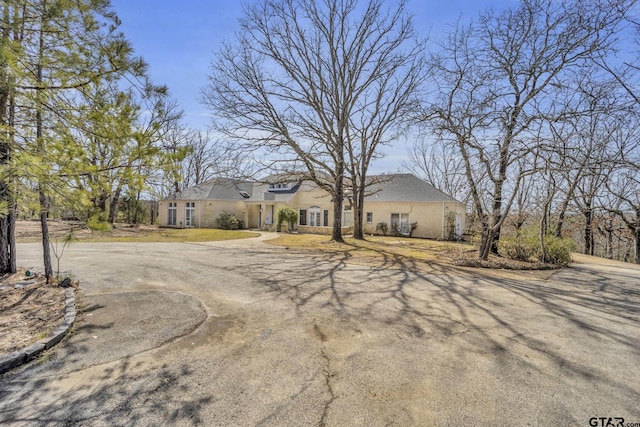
(208, 157)
(439, 164)
(316, 86)
(495, 83)
(624, 182)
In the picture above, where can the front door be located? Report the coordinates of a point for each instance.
(268, 215)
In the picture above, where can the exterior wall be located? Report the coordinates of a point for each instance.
(305, 198)
(206, 212)
(212, 209)
(430, 216)
(268, 217)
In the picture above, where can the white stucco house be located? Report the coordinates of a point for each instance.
(398, 200)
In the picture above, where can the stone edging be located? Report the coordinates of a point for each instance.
(17, 358)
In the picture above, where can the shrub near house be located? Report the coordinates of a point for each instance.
(227, 221)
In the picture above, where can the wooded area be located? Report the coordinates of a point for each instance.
(83, 129)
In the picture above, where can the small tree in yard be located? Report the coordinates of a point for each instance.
(288, 215)
(58, 252)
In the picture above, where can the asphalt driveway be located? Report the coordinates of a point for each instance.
(242, 333)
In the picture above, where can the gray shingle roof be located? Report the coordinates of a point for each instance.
(405, 187)
(230, 189)
(390, 188)
(261, 193)
(216, 189)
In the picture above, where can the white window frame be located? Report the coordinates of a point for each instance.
(403, 221)
(173, 209)
(315, 217)
(369, 217)
(190, 214)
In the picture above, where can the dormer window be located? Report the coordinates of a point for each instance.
(281, 186)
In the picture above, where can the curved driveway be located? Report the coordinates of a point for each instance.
(243, 333)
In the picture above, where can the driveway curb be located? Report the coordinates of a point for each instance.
(17, 358)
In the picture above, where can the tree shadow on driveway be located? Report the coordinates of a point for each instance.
(119, 395)
(577, 330)
(92, 376)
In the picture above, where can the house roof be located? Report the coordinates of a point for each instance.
(216, 189)
(234, 189)
(404, 187)
(261, 193)
(388, 188)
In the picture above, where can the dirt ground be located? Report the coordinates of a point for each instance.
(32, 309)
(29, 231)
(28, 312)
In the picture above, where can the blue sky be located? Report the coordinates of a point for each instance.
(177, 40)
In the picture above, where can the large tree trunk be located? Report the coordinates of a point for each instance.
(336, 234)
(609, 235)
(46, 247)
(588, 232)
(358, 209)
(495, 240)
(113, 206)
(7, 233)
(44, 202)
(561, 217)
(7, 229)
(12, 239)
(5, 252)
(486, 242)
(637, 236)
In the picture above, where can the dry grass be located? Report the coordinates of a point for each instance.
(175, 235)
(28, 314)
(29, 232)
(421, 254)
(376, 247)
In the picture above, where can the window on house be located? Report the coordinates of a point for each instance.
(302, 217)
(369, 217)
(325, 218)
(280, 186)
(400, 223)
(171, 219)
(314, 217)
(190, 214)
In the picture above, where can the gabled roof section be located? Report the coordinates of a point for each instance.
(216, 189)
(404, 187)
(261, 193)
